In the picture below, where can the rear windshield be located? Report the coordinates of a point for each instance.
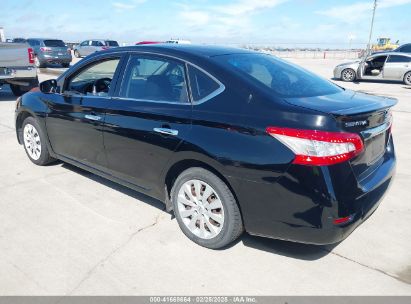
(54, 43)
(285, 79)
(111, 43)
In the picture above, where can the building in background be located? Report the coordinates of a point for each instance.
(2, 37)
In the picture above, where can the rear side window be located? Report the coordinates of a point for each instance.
(155, 79)
(396, 58)
(201, 84)
(111, 43)
(33, 42)
(280, 77)
(54, 43)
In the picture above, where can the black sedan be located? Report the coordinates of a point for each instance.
(229, 139)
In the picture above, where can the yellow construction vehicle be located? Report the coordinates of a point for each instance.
(384, 44)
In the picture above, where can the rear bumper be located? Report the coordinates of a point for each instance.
(55, 59)
(19, 73)
(301, 206)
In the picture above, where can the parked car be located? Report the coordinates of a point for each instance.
(178, 41)
(91, 46)
(17, 67)
(229, 139)
(50, 51)
(19, 40)
(387, 66)
(147, 42)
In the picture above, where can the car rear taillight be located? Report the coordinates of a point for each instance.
(105, 47)
(31, 55)
(45, 49)
(318, 148)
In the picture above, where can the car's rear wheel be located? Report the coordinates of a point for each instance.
(407, 78)
(34, 142)
(76, 54)
(348, 75)
(205, 208)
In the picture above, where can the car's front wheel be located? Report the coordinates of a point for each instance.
(348, 75)
(76, 54)
(407, 78)
(34, 142)
(205, 208)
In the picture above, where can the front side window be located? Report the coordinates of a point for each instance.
(280, 77)
(97, 43)
(95, 79)
(84, 43)
(201, 84)
(112, 43)
(155, 79)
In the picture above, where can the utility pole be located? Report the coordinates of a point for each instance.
(372, 25)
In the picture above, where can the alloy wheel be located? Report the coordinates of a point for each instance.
(348, 75)
(32, 141)
(201, 209)
(408, 78)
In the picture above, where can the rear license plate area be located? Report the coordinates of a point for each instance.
(375, 147)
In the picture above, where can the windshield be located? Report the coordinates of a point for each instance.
(285, 79)
(54, 43)
(111, 43)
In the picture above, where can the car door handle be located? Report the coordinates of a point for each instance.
(92, 117)
(166, 131)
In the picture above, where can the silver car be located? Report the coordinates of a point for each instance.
(88, 47)
(387, 66)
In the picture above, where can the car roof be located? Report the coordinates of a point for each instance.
(45, 39)
(185, 49)
(98, 39)
(391, 53)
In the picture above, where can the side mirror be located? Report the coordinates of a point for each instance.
(48, 86)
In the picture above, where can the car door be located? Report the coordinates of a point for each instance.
(82, 49)
(396, 66)
(148, 119)
(76, 116)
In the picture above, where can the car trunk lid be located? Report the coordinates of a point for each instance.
(364, 114)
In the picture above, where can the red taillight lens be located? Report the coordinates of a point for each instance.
(31, 55)
(45, 49)
(342, 220)
(318, 148)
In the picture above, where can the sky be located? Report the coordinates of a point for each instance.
(280, 23)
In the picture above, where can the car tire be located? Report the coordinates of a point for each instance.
(407, 78)
(214, 223)
(34, 142)
(38, 63)
(19, 90)
(76, 54)
(348, 75)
